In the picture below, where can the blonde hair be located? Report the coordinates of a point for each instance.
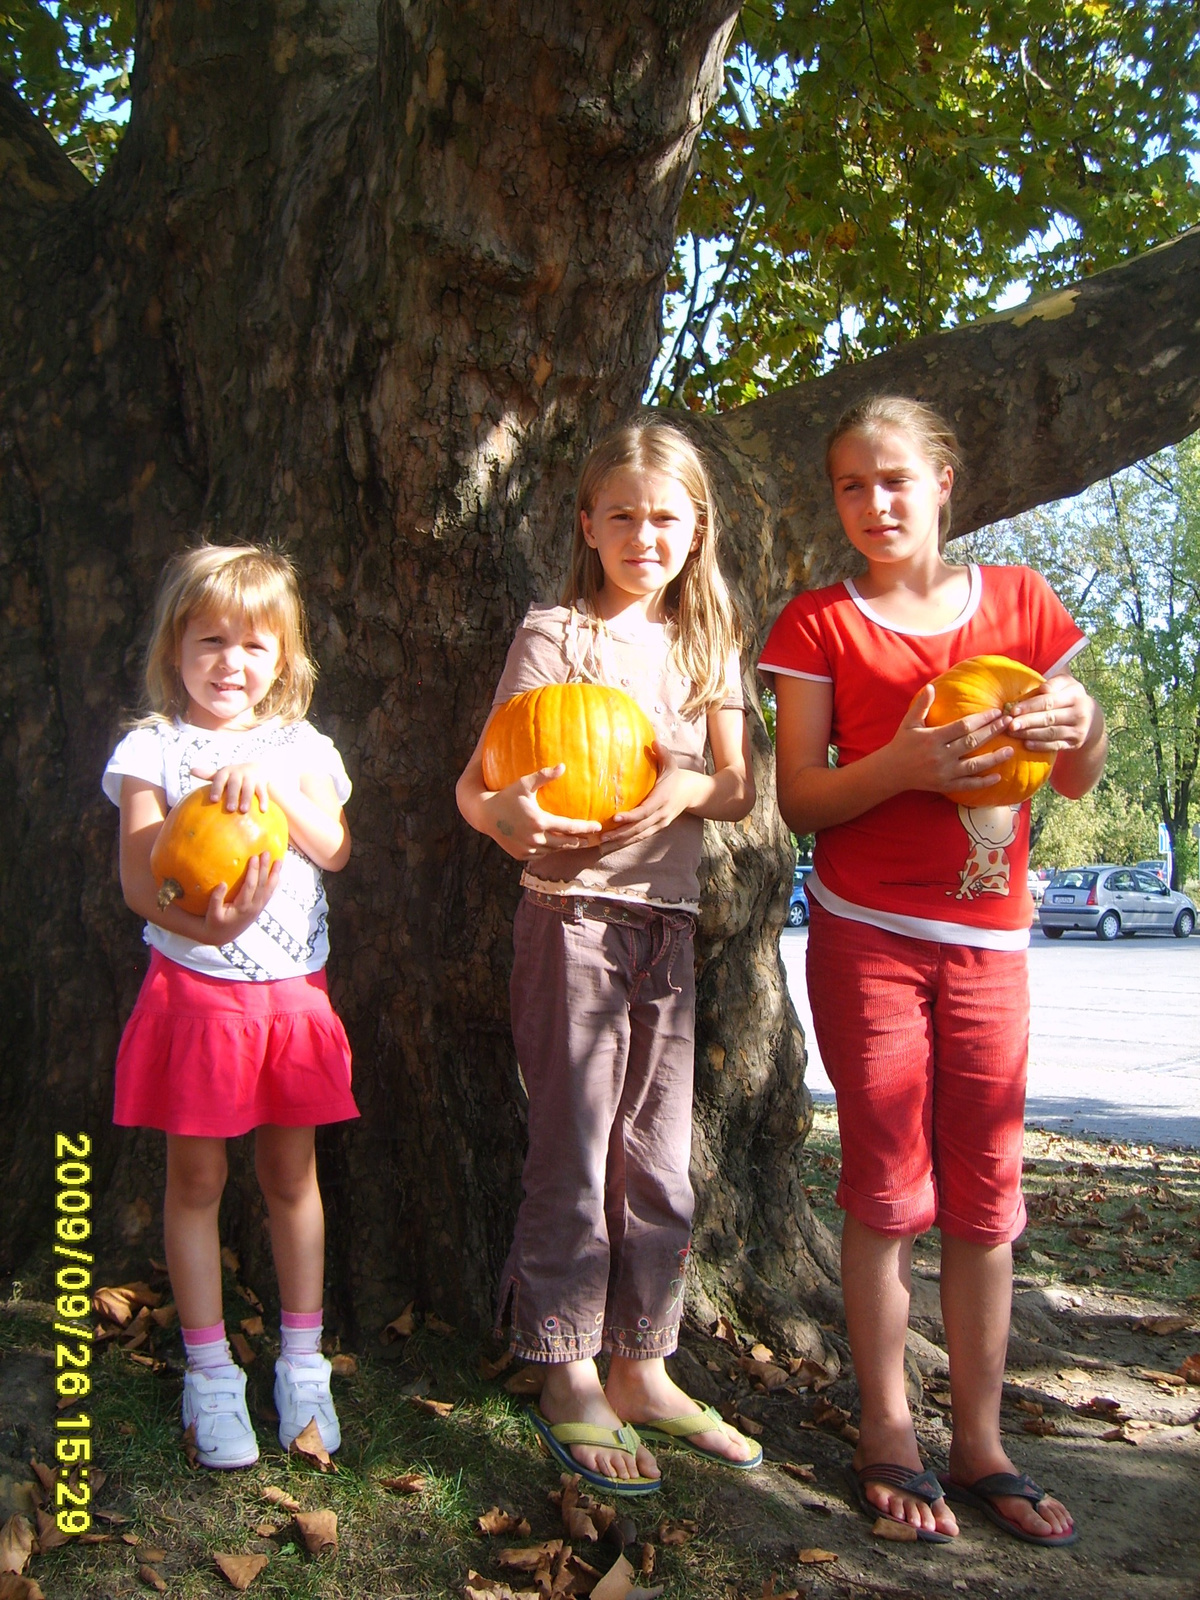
(925, 426)
(707, 628)
(246, 581)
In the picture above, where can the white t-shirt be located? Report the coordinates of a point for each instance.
(291, 936)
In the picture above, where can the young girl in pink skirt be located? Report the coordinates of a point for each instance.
(233, 1029)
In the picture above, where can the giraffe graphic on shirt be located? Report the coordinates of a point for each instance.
(986, 869)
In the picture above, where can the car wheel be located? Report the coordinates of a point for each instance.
(1054, 933)
(1184, 923)
(795, 916)
(1109, 926)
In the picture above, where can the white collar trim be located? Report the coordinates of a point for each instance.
(974, 596)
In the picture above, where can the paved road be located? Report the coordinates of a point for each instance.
(1114, 1034)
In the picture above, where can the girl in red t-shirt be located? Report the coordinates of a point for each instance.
(916, 958)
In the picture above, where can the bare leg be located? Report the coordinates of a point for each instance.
(286, 1163)
(642, 1391)
(573, 1393)
(976, 1305)
(876, 1278)
(196, 1173)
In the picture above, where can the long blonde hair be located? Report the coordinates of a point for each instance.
(707, 628)
(928, 429)
(247, 581)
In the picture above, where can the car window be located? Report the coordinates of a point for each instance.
(1120, 880)
(1074, 880)
(1150, 884)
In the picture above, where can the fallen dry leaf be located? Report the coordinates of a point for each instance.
(477, 1587)
(526, 1380)
(114, 1519)
(1172, 1380)
(814, 1557)
(803, 1470)
(49, 1536)
(1043, 1427)
(16, 1544)
(1190, 1370)
(14, 1588)
(240, 1571)
(433, 1408)
(265, 1530)
(344, 1366)
(1034, 1407)
(280, 1498)
(120, 1304)
(616, 1582)
(436, 1325)
(492, 1369)
(809, 1374)
(1163, 1326)
(770, 1592)
(242, 1348)
(496, 1521)
(761, 1352)
(671, 1533)
(153, 1553)
(130, 1538)
(230, 1260)
(399, 1327)
(152, 1579)
(529, 1557)
(309, 1445)
(249, 1296)
(764, 1372)
(746, 1424)
(46, 1476)
(726, 1333)
(253, 1326)
(1131, 1431)
(318, 1530)
(406, 1483)
(646, 1562)
(898, 1532)
(1100, 1405)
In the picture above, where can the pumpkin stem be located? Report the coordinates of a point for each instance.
(169, 892)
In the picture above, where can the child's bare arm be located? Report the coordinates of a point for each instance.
(724, 795)
(814, 795)
(512, 816)
(143, 810)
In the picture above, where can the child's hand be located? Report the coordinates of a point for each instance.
(239, 784)
(520, 826)
(938, 759)
(1059, 717)
(225, 919)
(669, 798)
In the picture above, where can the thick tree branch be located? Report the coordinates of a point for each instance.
(35, 176)
(1046, 398)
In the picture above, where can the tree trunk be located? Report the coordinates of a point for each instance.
(368, 281)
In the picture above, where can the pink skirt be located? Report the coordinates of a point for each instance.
(210, 1058)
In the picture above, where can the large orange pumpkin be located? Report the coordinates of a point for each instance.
(201, 845)
(601, 735)
(989, 683)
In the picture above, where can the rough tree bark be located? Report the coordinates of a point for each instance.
(368, 280)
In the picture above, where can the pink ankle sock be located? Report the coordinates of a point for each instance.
(207, 1348)
(300, 1333)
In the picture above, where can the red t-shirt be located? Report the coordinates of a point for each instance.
(917, 863)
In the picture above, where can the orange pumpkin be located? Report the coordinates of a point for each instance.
(988, 683)
(201, 845)
(601, 735)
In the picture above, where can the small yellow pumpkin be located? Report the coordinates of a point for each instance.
(601, 735)
(200, 845)
(989, 683)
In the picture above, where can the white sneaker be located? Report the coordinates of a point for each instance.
(302, 1396)
(214, 1403)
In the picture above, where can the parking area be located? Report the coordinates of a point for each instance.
(1114, 1034)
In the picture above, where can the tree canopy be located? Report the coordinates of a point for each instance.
(878, 168)
(70, 63)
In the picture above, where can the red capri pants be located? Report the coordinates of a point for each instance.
(926, 1046)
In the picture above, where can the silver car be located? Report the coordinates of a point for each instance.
(1110, 900)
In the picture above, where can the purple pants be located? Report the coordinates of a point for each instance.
(603, 1016)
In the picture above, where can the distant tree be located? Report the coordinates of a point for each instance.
(1125, 555)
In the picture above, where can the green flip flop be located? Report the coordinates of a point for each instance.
(557, 1437)
(679, 1430)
